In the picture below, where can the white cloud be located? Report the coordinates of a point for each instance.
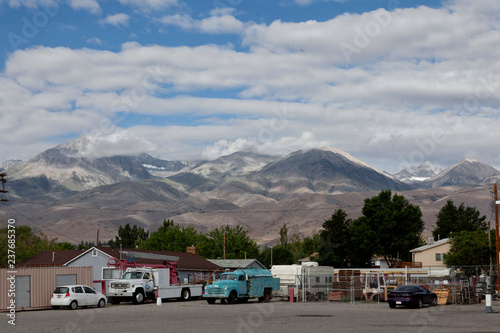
(33, 4)
(221, 21)
(148, 5)
(119, 142)
(90, 5)
(225, 147)
(304, 3)
(424, 86)
(117, 20)
(95, 41)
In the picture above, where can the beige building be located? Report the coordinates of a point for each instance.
(432, 253)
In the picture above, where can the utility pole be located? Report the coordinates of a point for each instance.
(224, 251)
(3, 181)
(489, 290)
(497, 282)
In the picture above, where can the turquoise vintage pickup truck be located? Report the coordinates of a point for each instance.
(241, 285)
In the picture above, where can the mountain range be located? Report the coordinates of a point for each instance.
(68, 194)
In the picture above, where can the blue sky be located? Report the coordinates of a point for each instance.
(391, 82)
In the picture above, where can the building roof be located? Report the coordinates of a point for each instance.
(236, 263)
(431, 245)
(187, 261)
(51, 258)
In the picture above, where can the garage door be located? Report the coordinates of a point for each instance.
(65, 279)
(23, 291)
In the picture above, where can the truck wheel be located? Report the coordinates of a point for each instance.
(185, 294)
(114, 300)
(138, 297)
(210, 300)
(233, 297)
(267, 294)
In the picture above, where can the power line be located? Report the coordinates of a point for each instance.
(40, 225)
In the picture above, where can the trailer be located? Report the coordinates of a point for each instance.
(142, 281)
(308, 281)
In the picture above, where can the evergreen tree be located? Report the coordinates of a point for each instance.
(452, 219)
(336, 240)
(284, 236)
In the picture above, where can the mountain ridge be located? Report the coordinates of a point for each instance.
(259, 192)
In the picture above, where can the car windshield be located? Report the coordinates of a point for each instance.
(410, 289)
(132, 276)
(61, 290)
(233, 277)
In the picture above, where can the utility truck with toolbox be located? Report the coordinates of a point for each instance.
(146, 281)
(241, 285)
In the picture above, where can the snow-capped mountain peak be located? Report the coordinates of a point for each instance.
(423, 172)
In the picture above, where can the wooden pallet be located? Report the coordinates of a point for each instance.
(442, 296)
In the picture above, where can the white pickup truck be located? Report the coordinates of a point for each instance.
(140, 283)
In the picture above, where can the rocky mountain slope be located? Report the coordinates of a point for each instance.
(63, 166)
(69, 195)
(465, 172)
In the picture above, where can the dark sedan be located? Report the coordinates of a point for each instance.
(411, 295)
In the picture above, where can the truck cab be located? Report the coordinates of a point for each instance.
(136, 284)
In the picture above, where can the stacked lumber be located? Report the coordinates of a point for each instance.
(341, 287)
(463, 295)
(336, 296)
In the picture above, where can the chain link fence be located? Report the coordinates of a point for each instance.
(453, 285)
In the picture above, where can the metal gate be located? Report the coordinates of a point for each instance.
(23, 291)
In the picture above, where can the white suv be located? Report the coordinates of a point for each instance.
(75, 296)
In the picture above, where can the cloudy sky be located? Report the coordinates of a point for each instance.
(391, 82)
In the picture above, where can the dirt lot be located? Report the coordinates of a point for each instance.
(276, 316)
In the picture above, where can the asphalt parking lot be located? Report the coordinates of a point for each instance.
(275, 316)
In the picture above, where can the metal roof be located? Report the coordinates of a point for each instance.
(147, 255)
(236, 263)
(431, 245)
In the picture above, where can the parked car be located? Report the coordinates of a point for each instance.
(411, 295)
(75, 296)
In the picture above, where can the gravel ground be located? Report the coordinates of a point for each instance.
(275, 316)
